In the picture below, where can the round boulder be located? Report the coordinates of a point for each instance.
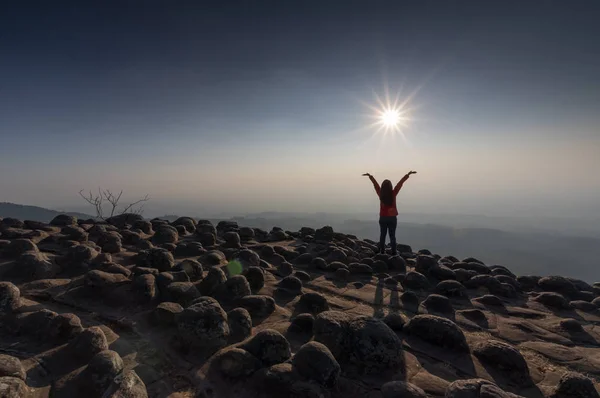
(11, 366)
(504, 358)
(400, 389)
(315, 362)
(204, 325)
(101, 371)
(240, 324)
(9, 297)
(166, 313)
(88, 343)
(437, 331)
(269, 346)
(574, 385)
(255, 277)
(451, 288)
(313, 303)
(215, 278)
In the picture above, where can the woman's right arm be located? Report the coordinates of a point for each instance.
(375, 184)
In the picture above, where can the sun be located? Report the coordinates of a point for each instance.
(390, 118)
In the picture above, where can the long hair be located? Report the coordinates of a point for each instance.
(386, 194)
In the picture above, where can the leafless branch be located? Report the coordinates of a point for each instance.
(107, 195)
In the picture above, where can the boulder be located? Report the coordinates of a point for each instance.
(126, 385)
(13, 387)
(425, 263)
(416, 281)
(234, 364)
(505, 359)
(362, 345)
(438, 331)
(100, 372)
(33, 265)
(182, 292)
(191, 267)
(9, 298)
(204, 325)
(63, 220)
(437, 304)
(315, 362)
(240, 324)
(11, 367)
(269, 346)
(574, 385)
(451, 288)
(313, 303)
(257, 305)
(214, 279)
(401, 389)
(395, 321)
(552, 300)
(291, 284)
(88, 343)
(255, 277)
(302, 323)
(19, 246)
(558, 284)
(104, 280)
(166, 313)
(64, 327)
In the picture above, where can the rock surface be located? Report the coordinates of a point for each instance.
(157, 308)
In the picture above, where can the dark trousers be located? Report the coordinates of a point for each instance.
(387, 224)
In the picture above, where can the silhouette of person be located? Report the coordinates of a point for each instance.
(388, 212)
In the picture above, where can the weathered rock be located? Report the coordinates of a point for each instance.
(574, 385)
(182, 292)
(269, 346)
(395, 321)
(121, 220)
(64, 327)
(470, 388)
(558, 284)
(240, 324)
(291, 284)
(88, 343)
(315, 362)
(505, 359)
(234, 363)
(215, 278)
(234, 288)
(166, 313)
(442, 273)
(104, 280)
(9, 298)
(126, 385)
(100, 372)
(425, 263)
(583, 306)
(409, 300)
(255, 277)
(302, 323)
(437, 331)
(451, 288)
(33, 265)
(204, 325)
(553, 300)
(191, 267)
(72, 232)
(11, 367)
(400, 389)
(313, 303)
(160, 259)
(19, 246)
(63, 220)
(437, 304)
(416, 281)
(232, 239)
(36, 323)
(472, 266)
(362, 346)
(257, 305)
(303, 276)
(489, 299)
(13, 387)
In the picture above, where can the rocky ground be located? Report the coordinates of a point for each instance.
(136, 308)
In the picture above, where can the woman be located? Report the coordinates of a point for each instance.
(387, 209)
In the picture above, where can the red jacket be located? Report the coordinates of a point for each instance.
(385, 210)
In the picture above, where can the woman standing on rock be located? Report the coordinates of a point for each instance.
(387, 209)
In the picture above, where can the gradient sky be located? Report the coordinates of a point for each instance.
(257, 106)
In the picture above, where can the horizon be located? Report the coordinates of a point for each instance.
(250, 108)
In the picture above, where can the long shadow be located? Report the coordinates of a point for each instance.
(512, 381)
(378, 301)
(394, 301)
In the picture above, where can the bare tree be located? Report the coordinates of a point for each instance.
(103, 196)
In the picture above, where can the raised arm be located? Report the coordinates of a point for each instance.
(402, 181)
(375, 183)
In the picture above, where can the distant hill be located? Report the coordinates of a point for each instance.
(34, 213)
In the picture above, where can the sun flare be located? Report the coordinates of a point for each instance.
(390, 118)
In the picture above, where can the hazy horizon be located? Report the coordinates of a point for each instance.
(249, 108)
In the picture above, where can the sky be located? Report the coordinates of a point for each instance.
(267, 106)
